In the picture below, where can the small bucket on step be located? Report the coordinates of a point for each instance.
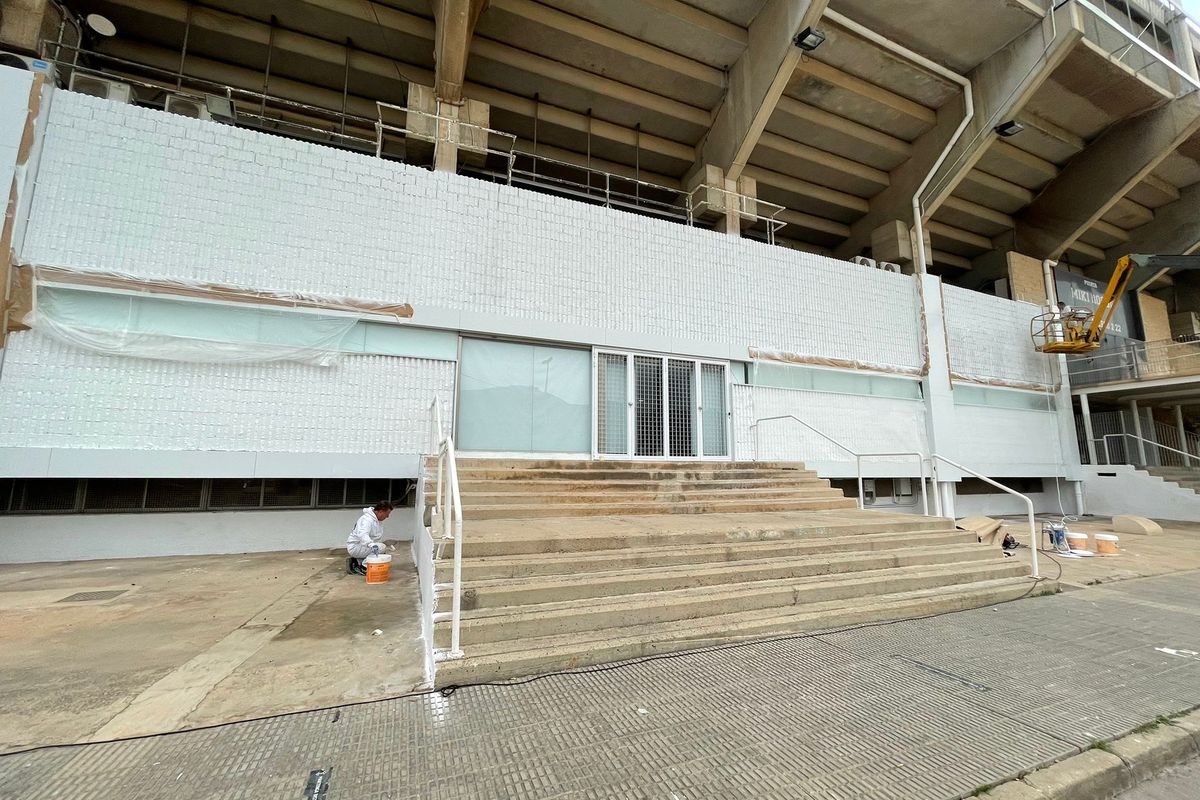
(1106, 544)
(378, 568)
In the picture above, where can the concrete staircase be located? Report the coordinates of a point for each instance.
(568, 564)
(1184, 477)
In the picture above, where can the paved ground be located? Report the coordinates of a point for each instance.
(1181, 783)
(195, 640)
(921, 709)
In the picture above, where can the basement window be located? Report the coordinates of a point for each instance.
(1022, 485)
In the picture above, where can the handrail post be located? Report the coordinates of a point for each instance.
(456, 602)
(1033, 541)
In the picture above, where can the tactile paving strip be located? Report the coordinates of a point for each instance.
(921, 709)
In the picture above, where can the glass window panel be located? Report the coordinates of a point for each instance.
(235, 493)
(681, 398)
(114, 494)
(524, 398)
(562, 400)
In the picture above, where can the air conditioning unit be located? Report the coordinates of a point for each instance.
(186, 106)
(888, 266)
(19, 61)
(863, 261)
(101, 87)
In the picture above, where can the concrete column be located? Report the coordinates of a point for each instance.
(1085, 410)
(23, 23)
(1137, 433)
(1183, 444)
(723, 200)
(1181, 43)
(446, 132)
(1151, 435)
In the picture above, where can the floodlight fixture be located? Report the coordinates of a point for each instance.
(809, 39)
(1010, 128)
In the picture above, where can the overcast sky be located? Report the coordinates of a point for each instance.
(1192, 7)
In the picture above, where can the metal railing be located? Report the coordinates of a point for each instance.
(744, 206)
(1134, 360)
(1142, 442)
(442, 130)
(446, 524)
(1033, 539)
(1130, 49)
(858, 459)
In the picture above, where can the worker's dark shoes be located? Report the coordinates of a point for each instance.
(352, 567)
(359, 568)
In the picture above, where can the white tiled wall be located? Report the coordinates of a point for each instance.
(1007, 442)
(863, 424)
(989, 338)
(151, 194)
(56, 396)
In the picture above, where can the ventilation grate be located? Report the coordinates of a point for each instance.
(90, 597)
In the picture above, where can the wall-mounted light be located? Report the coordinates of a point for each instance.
(101, 25)
(809, 39)
(1010, 128)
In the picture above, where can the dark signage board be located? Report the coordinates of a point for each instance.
(1080, 292)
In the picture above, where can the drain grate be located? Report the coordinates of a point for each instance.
(88, 597)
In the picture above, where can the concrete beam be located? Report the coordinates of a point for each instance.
(1031, 120)
(895, 201)
(371, 64)
(756, 82)
(1002, 86)
(813, 223)
(936, 228)
(701, 19)
(454, 22)
(1174, 231)
(803, 188)
(822, 158)
(860, 133)
(877, 94)
(1097, 178)
(944, 259)
(982, 213)
(613, 40)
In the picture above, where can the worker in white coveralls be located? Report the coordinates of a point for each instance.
(367, 537)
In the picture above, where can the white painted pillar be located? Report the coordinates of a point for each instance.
(1085, 410)
(946, 488)
(1137, 433)
(1183, 443)
(1151, 435)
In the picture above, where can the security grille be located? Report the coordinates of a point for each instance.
(648, 410)
(679, 406)
(681, 394)
(92, 597)
(714, 411)
(612, 404)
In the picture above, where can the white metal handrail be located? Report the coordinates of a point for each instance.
(1033, 541)
(742, 205)
(1142, 439)
(858, 458)
(446, 524)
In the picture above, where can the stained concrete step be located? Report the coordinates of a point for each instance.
(636, 473)
(482, 512)
(552, 619)
(551, 486)
(664, 495)
(505, 592)
(545, 564)
(511, 537)
(507, 659)
(584, 464)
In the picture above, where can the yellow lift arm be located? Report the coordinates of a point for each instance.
(1081, 331)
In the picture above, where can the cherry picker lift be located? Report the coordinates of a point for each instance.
(1076, 332)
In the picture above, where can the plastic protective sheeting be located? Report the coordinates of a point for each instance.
(140, 326)
(757, 354)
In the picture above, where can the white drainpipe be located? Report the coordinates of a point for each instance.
(937, 69)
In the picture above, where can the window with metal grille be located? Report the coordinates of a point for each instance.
(131, 495)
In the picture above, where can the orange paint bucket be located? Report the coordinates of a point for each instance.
(378, 568)
(1106, 544)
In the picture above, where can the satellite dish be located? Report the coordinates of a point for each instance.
(101, 24)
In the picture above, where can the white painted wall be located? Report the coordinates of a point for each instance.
(15, 85)
(55, 396)
(865, 424)
(158, 195)
(86, 537)
(989, 338)
(1007, 442)
(1109, 491)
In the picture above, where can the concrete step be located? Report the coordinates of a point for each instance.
(664, 495)
(511, 537)
(523, 566)
(508, 659)
(482, 512)
(634, 473)
(584, 464)
(550, 486)
(553, 619)
(504, 592)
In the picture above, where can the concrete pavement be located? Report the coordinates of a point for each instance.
(935, 708)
